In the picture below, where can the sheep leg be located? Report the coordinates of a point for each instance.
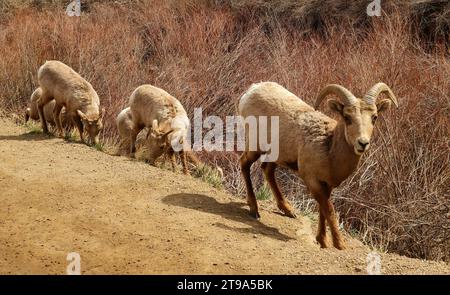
(330, 215)
(77, 122)
(27, 115)
(134, 132)
(66, 123)
(173, 160)
(124, 147)
(70, 122)
(184, 162)
(57, 118)
(193, 158)
(40, 106)
(246, 161)
(283, 204)
(321, 237)
(327, 210)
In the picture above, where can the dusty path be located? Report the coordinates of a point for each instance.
(123, 216)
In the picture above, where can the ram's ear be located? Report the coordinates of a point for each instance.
(383, 105)
(82, 115)
(155, 126)
(102, 113)
(335, 105)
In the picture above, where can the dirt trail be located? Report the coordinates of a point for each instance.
(124, 216)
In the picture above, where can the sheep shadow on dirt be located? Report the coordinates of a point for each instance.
(233, 211)
(29, 136)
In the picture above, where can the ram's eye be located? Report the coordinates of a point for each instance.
(374, 118)
(348, 120)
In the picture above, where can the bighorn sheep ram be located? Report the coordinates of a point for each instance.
(323, 152)
(32, 111)
(61, 83)
(166, 120)
(125, 126)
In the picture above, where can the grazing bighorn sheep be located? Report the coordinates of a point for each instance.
(125, 127)
(33, 113)
(166, 120)
(323, 152)
(61, 83)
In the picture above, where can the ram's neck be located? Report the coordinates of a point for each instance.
(91, 111)
(343, 160)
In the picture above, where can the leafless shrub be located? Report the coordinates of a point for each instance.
(207, 53)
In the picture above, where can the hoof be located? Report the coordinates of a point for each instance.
(255, 214)
(290, 214)
(287, 210)
(322, 242)
(339, 245)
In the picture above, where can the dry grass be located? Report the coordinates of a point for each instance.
(207, 54)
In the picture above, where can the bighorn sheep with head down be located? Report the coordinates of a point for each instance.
(166, 120)
(323, 152)
(32, 111)
(125, 127)
(61, 83)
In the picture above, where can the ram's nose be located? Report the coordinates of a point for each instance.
(363, 145)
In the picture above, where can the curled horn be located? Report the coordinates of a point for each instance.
(344, 94)
(157, 131)
(372, 95)
(167, 132)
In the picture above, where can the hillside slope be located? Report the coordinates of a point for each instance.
(124, 216)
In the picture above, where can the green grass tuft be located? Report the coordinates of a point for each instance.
(99, 147)
(70, 136)
(208, 175)
(264, 193)
(35, 130)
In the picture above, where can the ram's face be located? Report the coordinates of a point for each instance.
(92, 125)
(157, 145)
(359, 119)
(93, 128)
(158, 140)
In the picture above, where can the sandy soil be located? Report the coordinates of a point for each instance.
(126, 217)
